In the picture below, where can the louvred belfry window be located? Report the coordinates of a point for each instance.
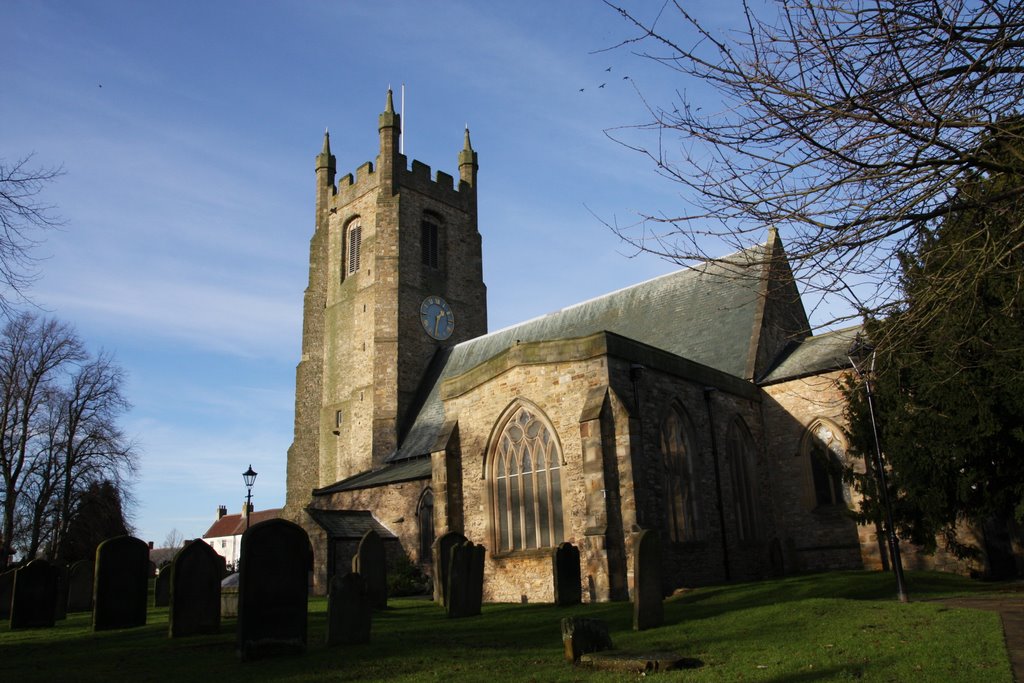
(355, 239)
(526, 485)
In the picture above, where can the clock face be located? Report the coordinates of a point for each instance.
(436, 317)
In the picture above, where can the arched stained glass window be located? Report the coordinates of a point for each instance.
(526, 485)
(827, 452)
(677, 450)
(742, 471)
(425, 517)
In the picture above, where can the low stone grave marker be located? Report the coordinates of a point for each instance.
(349, 612)
(581, 636)
(80, 584)
(648, 606)
(465, 580)
(162, 587)
(273, 590)
(370, 562)
(35, 592)
(442, 553)
(121, 587)
(229, 596)
(566, 570)
(195, 590)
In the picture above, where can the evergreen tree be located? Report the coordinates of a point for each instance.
(950, 396)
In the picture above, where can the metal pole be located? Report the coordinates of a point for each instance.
(883, 485)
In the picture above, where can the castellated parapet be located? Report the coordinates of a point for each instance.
(441, 187)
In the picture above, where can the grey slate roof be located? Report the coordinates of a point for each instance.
(821, 353)
(407, 470)
(705, 314)
(348, 524)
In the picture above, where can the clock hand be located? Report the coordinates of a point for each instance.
(437, 321)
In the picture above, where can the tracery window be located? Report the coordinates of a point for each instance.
(742, 471)
(526, 484)
(826, 450)
(678, 452)
(355, 239)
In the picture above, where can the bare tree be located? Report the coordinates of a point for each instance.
(846, 124)
(174, 540)
(59, 436)
(23, 220)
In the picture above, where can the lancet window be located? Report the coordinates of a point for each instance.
(678, 453)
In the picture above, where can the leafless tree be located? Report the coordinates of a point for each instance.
(174, 540)
(23, 220)
(58, 430)
(846, 124)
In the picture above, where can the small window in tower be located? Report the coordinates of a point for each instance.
(355, 238)
(337, 419)
(429, 244)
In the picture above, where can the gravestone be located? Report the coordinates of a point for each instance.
(60, 601)
(35, 592)
(648, 609)
(442, 552)
(162, 588)
(229, 596)
(195, 590)
(272, 590)
(465, 580)
(581, 636)
(349, 611)
(566, 570)
(370, 563)
(80, 581)
(121, 585)
(6, 592)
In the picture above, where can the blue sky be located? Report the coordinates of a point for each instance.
(188, 132)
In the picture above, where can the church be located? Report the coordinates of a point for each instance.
(697, 404)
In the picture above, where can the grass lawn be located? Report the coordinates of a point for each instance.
(824, 627)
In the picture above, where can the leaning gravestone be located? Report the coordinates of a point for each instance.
(349, 612)
(370, 563)
(568, 582)
(195, 590)
(442, 553)
(272, 590)
(6, 592)
(121, 584)
(162, 588)
(80, 580)
(465, 580)
(648, 610)
(35, 592)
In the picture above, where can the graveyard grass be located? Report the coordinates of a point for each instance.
(822, 627)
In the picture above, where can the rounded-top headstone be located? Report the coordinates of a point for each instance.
(121, 583)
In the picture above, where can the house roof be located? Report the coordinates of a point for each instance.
(234, 525)
(813, 355)
(348, 524)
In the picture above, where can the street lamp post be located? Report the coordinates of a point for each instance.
(857, 349)
(249, 477)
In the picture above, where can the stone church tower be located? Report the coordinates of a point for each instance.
(395, 278)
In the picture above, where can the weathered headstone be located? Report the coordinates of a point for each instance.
(60, 602)
(648, 609)
(370, 563)
(6, 592)
(195, 590)
(80, 584)
(581, 636)
(442, 552)
(465, 580)
(566, 570)
(229, 596)
(162, 587)
(349, 612)
(121, 585)
(35, 592)
(273, 590)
